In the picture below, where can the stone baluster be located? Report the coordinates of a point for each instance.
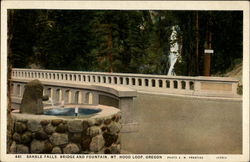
(130, 81)
(70, 96)
(80, 101)
(49, 75)
(73, 96)
(59, 76)
(164, 83)
(149, 82)
(95, 98)
(14, 90)
(91, 79)
(60, 95)
(53, 94)
(179, 85)
(107, 79)
(68, 77)
(187, 85)
(62, 77)
(82, 78)
(136, 82)
(112, 80)
(84, 97)
(143, 82)
(87, 78)
(157, 84)
(121, 80)
(171, 84)
(101, 79)
(22, 87)
(126, 81)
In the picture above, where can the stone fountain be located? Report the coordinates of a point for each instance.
(53, 130)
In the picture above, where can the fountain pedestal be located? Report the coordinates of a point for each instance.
(32, 101)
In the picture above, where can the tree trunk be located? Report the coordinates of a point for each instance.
(208, 45)
(197, 43)
(9, 88)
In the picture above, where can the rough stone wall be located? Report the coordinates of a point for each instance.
(64, 136)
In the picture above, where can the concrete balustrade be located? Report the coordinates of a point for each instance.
(196, 86)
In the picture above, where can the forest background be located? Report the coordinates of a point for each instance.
(127, 41)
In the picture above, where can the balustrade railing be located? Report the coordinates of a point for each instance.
(208, 86)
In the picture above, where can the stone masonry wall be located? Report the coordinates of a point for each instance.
(67, 136)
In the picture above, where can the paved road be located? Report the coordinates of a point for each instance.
(179, 125)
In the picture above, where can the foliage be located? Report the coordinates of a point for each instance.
(123, 40)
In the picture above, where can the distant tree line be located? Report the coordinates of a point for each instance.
(123, 40)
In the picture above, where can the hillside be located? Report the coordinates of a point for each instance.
(236, 73)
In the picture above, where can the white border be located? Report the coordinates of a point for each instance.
(128, 5)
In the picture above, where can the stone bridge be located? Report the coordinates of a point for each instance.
(195, 86)
(154, 107)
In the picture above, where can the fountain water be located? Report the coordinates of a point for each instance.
(76, 111)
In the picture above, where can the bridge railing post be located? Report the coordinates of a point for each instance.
(125, 105)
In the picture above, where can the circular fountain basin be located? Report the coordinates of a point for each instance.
(68, 112)
(71, 111)
(59, 131)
